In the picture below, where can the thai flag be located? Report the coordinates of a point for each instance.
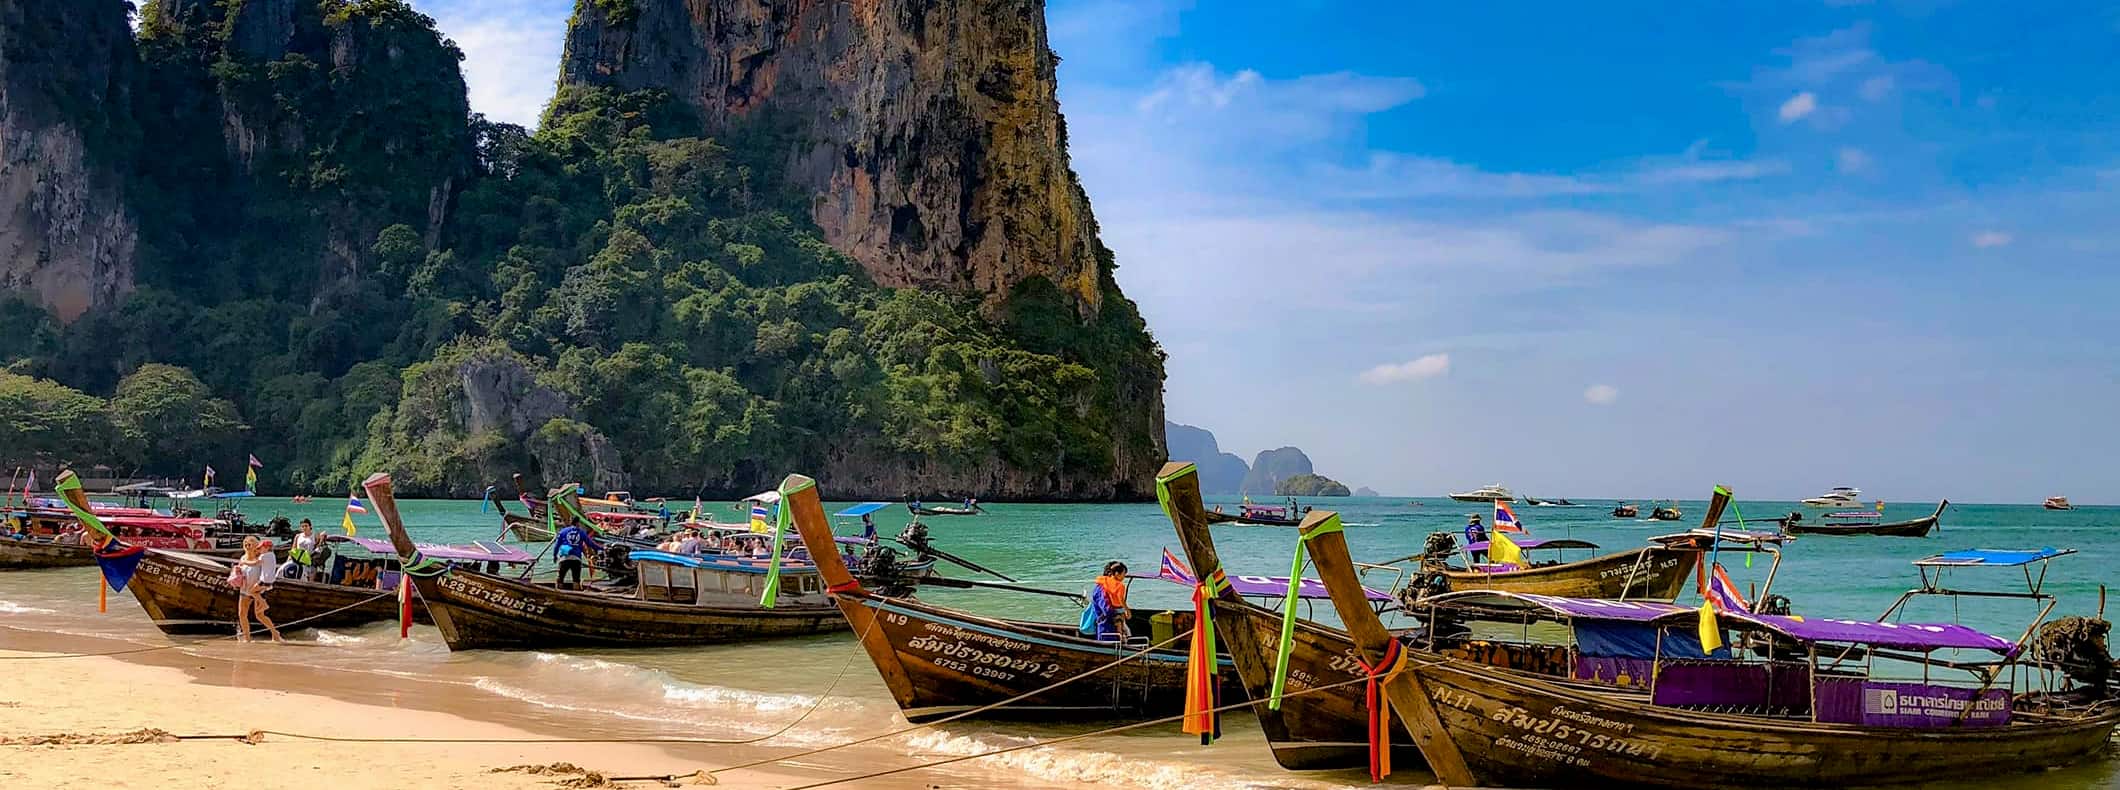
(255, 463)
(1505, 519)
(761, 519)
(1175, 570)
(1723, 593)
(353, 505)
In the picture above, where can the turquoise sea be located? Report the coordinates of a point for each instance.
(755, 689)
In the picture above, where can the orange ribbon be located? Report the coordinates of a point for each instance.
(1380, 710)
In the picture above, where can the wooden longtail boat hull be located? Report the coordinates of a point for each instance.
(23, 554)
(1233, 518)
(1485, 726)
(1518, 730)
(186, 594)
(1653, 573)
(1914, 528)
(938, 661)
(943, 511)
(526, 529)
(480, 611)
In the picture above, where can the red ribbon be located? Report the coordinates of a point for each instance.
(850, 585)
(1380, 711)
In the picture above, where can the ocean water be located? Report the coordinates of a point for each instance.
(759, 689)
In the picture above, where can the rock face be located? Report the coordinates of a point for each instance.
(66, 233)
(1220, 472)
(928, 132)
(1310, 485)
(1273, 466)
(485, 405)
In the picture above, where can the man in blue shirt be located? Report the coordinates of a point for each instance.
(572, 546)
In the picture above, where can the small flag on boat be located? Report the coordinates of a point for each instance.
(209, 477)
(760, 517)
(1175, 570)
(32, 486)
(1505, 519)
(1723, 593)
(250, 476)
(1710, 630)
(353, 505)
(696, 507)
(1503, 551)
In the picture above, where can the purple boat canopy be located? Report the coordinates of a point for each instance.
(482, 551)
(1578, 608)
(1265, 586)
(1527, 543)
(1903, 636)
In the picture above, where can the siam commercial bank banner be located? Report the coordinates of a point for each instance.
(1926, 706)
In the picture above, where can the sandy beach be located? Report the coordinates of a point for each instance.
(101, 713)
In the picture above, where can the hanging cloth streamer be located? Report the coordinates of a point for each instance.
(1390, 664)
(1288, 609)
(780, 536)
(1201, 667)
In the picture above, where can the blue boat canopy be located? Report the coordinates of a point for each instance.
(1993, 558)
(233, 495)
(862, 509)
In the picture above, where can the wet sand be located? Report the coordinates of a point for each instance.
(216, 690)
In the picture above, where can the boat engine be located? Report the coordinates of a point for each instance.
(280, 527)
(915, 537)
(1440, 547)
(617, 565)
(1774, 604)
(2076, 645)
(882, 571)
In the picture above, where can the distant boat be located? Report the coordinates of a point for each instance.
(1485, 494)
(1840, 496)
(1536, 502)
(1861, 522)
(2058, 503)
(1626, 511)
(1661, 513)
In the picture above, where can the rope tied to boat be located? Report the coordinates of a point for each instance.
(1288, 608)
(1379, 726)
(1202, 669)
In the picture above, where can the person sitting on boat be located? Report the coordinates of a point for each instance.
(1105, 617)
(571, 547)
(690, 544)
(305, 541)
(1476, 533)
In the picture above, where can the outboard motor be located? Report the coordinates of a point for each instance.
(1775, 605)
(915, 537)
(617, 565)
(1440, 547)
(2076, 645)
(882, 570)
(280, 527)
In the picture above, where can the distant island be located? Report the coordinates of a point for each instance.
(1366, 491)
(1310, 485)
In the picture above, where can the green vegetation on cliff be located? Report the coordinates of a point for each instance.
(1310, 485)
(608, 298)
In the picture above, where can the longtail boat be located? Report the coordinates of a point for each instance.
(18, 553)
(41, 546)
(939, 661)
(942, 510)
(1849, 525)
(189, 593)
(1656, 572)
(1784, 712)
(1263, 515)
(678, 600)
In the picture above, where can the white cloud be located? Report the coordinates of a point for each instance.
(1199, 100)
(1798, 106)
(1876, 88)
(511, 54)
(1601, 394)
(1852, 160)
(1991, 238)
(1395, 175)
(1427, 367)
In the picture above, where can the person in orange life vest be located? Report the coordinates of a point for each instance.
(1105, 617)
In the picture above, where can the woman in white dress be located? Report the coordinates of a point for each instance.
(254, 569)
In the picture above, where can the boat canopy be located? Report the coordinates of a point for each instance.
(1904, 636)
(624, 516)
(481, 551)
(1263, 586)
(1579, 608)
(1996, 558)
(158, 523)
(1529, 543)
(1731, 536)
(862, 509)
(232, 495)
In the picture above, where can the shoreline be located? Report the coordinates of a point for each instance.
(198, 690)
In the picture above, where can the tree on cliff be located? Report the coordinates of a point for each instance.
(171, 422)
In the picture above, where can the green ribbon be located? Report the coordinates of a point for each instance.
(69, 482)
(780, 535)
(419, 564)
(1163, 486)
(1288, 609)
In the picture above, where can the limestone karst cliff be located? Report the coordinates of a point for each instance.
(67, 234)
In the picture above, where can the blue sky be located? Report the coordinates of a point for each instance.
(1778, 246)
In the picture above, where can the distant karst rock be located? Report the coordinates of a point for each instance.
(1220, 472)
(1273, 466)
(1366, 491)
(1309, 485)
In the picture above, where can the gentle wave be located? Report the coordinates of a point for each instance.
(10, 607)
(1064, 765)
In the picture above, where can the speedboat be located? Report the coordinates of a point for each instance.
(1841, 496)
(2058, 503)
(1485, 494)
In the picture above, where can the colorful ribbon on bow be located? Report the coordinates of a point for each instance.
(1288, 609)
(780, 536)
(117, 560)
(1379, 705)
(1201, 666)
